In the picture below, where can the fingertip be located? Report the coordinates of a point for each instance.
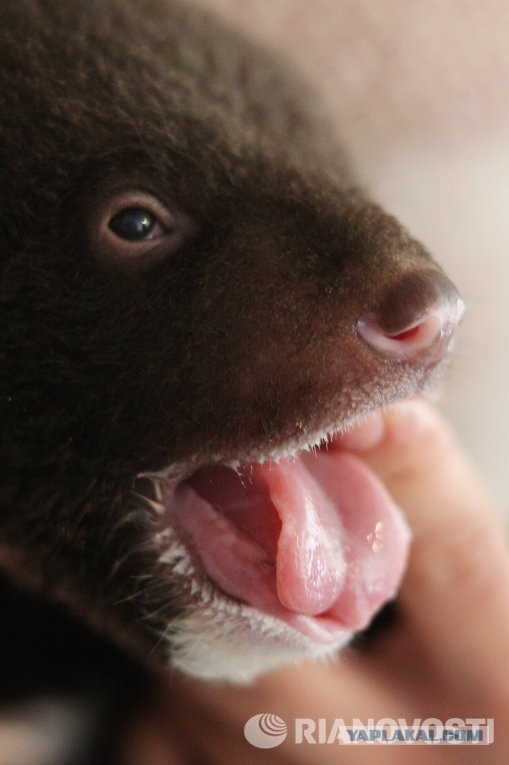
(407, 428)
(365, 435)
(412, 418)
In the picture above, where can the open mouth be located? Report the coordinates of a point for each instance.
(314, 540)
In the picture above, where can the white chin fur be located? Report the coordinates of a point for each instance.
(218, 638)
(236, 643)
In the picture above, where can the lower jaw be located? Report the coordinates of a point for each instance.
(233, 642)
(325, 630)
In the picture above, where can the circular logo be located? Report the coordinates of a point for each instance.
(265, 731)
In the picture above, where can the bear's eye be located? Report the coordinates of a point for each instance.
(136, 224)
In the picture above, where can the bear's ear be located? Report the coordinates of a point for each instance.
(134, 225)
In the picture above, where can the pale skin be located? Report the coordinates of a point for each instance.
(446, 656)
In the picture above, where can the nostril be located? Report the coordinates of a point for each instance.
(409, 343)
(407, 334)
(417, 319)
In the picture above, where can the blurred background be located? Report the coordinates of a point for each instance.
(420, 95)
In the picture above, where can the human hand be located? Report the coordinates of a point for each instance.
(445, 657)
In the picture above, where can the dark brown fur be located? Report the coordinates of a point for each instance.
(224, 350)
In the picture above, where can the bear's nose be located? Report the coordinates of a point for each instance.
(416, 319)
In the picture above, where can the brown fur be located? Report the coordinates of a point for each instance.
(223, 350)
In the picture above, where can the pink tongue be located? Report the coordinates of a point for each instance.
(310, 562)
(335, 537)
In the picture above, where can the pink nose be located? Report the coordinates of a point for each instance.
(416, 320)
